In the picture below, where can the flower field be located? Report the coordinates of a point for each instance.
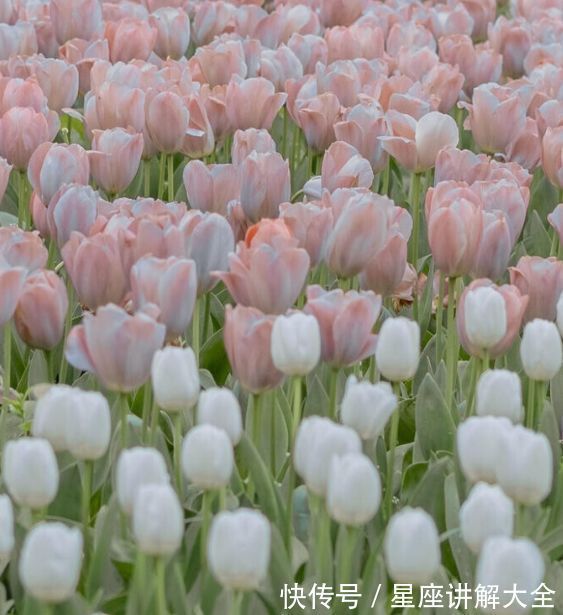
(281, 307)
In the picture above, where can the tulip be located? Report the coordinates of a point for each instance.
(167, 120)
(219, 61)
(310, 49)
(412, 547)
(317, 116)
(560, 314)
(339, 12)
(175, 378)
(384, 272)
(59, 81)
(509, 563)
(114, 105)
(76, 19)
(367, 407)
(207, 457)
(115, 346)
(346, 321)
(130, 39)
(555, 219)
(52, 413)
(251, 140)
(513, 40)
(137, 467)
(173, 32)
(30, 472)
(238, 550)
(199, 139)
(444, 82)
(12, 281)
(88, 426)
(482, 12)
(252, 103)
(356, 41)
(22, 249)
(211, 19)
(210, 188)
(5, 171)
(485, 317)
(41, 310)
(495, 247)
(7, 535)
(398, 349)
(158, 520)
(50, 561)
(541, 350)
(83, 54)
(552, 160)
(353, 490)
(478, 442)
(218, 406)
(296, 344)
(499, 393)
(22, 131)
(487, 512)
(247, 336)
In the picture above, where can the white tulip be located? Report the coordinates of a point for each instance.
(433, 132)
(207, 457)
(560, 314)
(485, 317)
(367, 407)
(541, 350)
(136, 467)
(478, 442)
(175, 378)
(7, 537)
(296, 343)
(354, 489)
(525, 465)
(88, 430)
(50, 561)
(30, 472)
(398, 349)
(220, 407)
(412, 547)
(158, 520)
(507, 563)
(317, 441)
(487, 512)
(51, 415)
(499, 393)
(238, 550)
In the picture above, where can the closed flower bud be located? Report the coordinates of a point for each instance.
(220, 407)
(499, 393)
(412, 547)
(367, 407)
(509, 563)
(88, 428)
(207, 457)
(398, 349)
(354, 489)
(51, 415)
(239, 548)
(175, 378)
(487, 512)
(30, 472)
(158, 520)
(525, 465)
(50, 561)
(7, 536)
(296, 343)
(485, 317)
(136, 467)
(541, 350)
(478, 441)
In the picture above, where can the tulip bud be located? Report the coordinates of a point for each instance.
(207, 457)
(509, 563)
(239, 547)
(136, 467)
(175, 378)
(398, 349)
(353, 489)
(88, 428)
(50, 561)
(220, 407)
(525, 465)
(7, 536)
(30, 472)
(560, 314)
(367, 407)
(485, 317)
(158, 520)
(51, 415)
(478, 441)
(541, 350)
(296, 343)
(486, 512)
(412, 547)
(499, 393)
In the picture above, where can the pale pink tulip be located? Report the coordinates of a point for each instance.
(552, 155)
(115, 346)
(130, 39)
(460, 165)
(444, 82)
(83, 54)
(247, 334)
(167, 120)
(483, 13)
(445, 20)
(384, 272)
(22, 131)
(219, 61)
(495, 246)
(513, 40)
(9, 12)
(12, 280)
(342, 78)
(549, 115)
(126, 8)
(19, 39)
(355, 41)
(555, 218)
(310, 49)
(114, 106)
(198, 140)
(173, 32)
(253, 103)
(76, 19)
(5, 171)
(525, 147)
(211, 187)
(340, 12)
(279, 65)
(213, 100)
(408, 35)
(212, 19)
(251, 140)
(22, 249)
(316, 117)
(58, 80)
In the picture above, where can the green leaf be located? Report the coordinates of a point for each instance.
(462, 556)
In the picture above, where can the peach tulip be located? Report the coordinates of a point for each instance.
(12, 280)
(355, 41)
(251, 140)
(513, 40)
(445, 20)
(384, 272)
(340, 12)
(316, 117)
(310, 49)
(58, 80)
(5, 171)
(22, 131)
(22, 249)
(219, 61)
(83, 54)
(253, 103)
(114, 106)
(130, 39)
(211, 187)
(342, 78)
(198, 139)
(172, 26)
(212, 19)
(76, 19)
(552, 155)
(167, 120)
(495, 246)
(17, 39)
(483, 12)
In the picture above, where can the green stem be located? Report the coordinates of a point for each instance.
(160, 578)
(123, 414)
(178, 427)
(155, 415)
(440, 319)
(195, 329)
(386, 177)
(161, 176)
(351, 535)
(206, 500)
(451, 347)
(236, 603)
(554, 243)
(393, 437)
(415, 209)
(284, 137)
(7, 365)
(256, 419)
(530, 406)
(206, 314)
(297, 393)
(147, 177)
(68, 325)
(297, 396)
(147, 404)
(170, 177)
(23, 208)
(323, 550)
(474, 366)
(87, 472)
(272, 417)
(539, 401)
(332, 394)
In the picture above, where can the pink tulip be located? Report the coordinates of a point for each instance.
(212, 19)
(22, 131)
(310, 49)
(213, 100)
(12, 280)
(555, 218)
(95, 267)
(5, 171)
(130, 39)
(279, 65)
(525, 147)
(460, 165)
(115, 346)
(116, 12)
(445, 20)
(346, 321)
(22, 249)
(444, 82)
(549, 115)
(247, 334)
(552, 155)
(211, 187)
(542, 280)
(252, 103)
(408, 34)
(340, 12)
(251, 140)
(76, 19)
(342, 78)
(167, 120)
(41, 310)
(316, 117)
(114, 106)
(384, 272)
(513, 40)
(198, 140)
(173, 32)
(495, 246)
(483, 12)
(267, 275)
(58, 80)
(355, 41)
(219, 61)
(83, 54)
(9, 12)
(515, 304)
(19, 39)
(171, 285)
